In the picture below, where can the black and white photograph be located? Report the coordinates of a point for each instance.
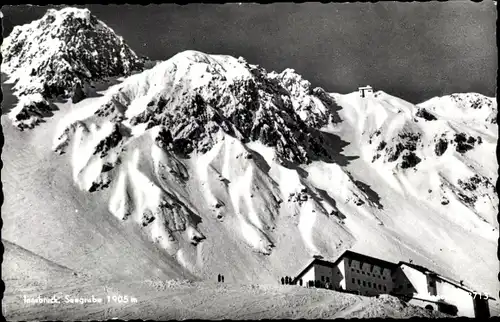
(236, 161)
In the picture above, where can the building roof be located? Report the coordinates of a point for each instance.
(365, 87)
(347, 254)
(368, 259)
(440, 277)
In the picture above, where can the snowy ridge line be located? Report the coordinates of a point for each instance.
(406, 143)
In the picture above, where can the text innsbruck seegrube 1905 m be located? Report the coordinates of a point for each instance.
(67, 299)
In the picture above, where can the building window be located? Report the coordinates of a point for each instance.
(362, 272)
(353, 280)
(359, 282)
(374, 285)
(368, 274)
(328, 279)
(383, 277)
(380, 287)
(322, 278)
(358, 270)
(369, 284)
(364, 283)
(385, 288)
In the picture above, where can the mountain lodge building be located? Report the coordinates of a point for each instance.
(366, 91)
(365, 275)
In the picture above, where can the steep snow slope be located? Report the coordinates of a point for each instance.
(202, 152)
(19, 263)
(445, 158)
(44, 213)
(434, 174)
(222, 162)
(61, 54)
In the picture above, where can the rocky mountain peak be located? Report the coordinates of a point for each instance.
(63, 49)
(193, 96)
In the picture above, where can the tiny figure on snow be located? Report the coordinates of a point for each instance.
(218, 278)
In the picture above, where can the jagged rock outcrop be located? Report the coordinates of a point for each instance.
(193, 96)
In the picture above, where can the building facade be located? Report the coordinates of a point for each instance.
(368, 276)
(352, 272)
(320, 273)
(428, 289)
(365, 275)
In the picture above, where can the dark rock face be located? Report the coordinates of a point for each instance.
(78, 94)
(31, 111)
(381, 146)
(408, 141)
(410, 160)
(425, 115)
(469, 190)
(109, 142)
(395, 152)
(472, 183)
(441, 147)
(464, 143)
(404, 147)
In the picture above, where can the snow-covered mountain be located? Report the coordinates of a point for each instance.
(61, 54)
(213, 152)
(227, 168)
(193, 121)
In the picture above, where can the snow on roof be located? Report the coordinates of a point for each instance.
(365, 87)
